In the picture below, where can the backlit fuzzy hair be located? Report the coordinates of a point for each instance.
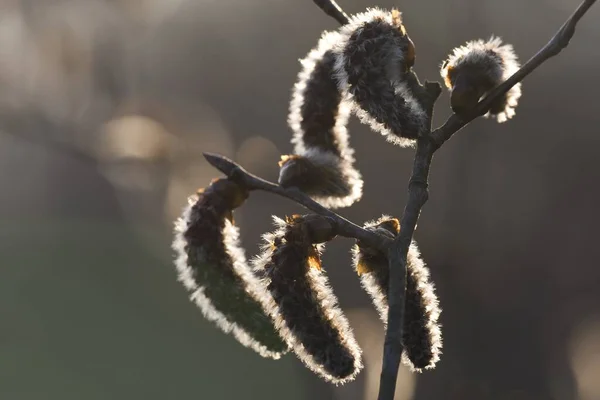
(318, 117)
(485, 65)
(303, 305)
(373, 57)
(421, 332)
(325, 177)
(212, 266)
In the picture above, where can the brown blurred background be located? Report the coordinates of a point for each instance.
(105, 108)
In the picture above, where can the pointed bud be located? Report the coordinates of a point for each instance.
(212, 266)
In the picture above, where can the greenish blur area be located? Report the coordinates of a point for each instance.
(87, 313)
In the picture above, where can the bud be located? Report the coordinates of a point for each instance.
(474, 69)
(212, 266)
(301, 302)
(421, 332)
(374, 57)
(323, 163)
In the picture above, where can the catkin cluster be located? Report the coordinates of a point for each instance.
(282, 301)
(361, 68)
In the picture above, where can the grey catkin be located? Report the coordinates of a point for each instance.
(212, 266)
(422, 336)
(302, 303)
(322, 165)
(475, 68)
(373, 57)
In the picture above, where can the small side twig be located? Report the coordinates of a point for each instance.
(344, 227)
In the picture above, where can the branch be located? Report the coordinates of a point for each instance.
(331, 8)
(344, 227)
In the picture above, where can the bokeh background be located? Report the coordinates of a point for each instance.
(105, 109)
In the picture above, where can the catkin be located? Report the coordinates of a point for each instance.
(421, 332)
(212, 266)
(302, 304)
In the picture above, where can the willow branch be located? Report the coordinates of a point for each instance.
(418, 192)
(331, 8)
(251, 182)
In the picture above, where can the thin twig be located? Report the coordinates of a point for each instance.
(331, 8)
(344, 227)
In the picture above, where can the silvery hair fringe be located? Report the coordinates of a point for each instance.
(303, 305)
(318, 117)
(212, 266)
(485, 65)
(421, 335)
(373, 57)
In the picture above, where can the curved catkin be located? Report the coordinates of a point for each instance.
(212, 266)
(323, 163)
(472, 70)
(373, 57)
(421, 332)
(302, 304)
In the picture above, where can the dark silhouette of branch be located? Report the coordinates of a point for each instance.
(252, 182)
(418, 192)
(331, 8)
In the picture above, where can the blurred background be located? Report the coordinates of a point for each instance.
(105, 109)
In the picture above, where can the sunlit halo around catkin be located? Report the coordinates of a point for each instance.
(212, 266)
(421, 332)
(474, 69)
(322, 165)
(374, 56)
(302, 303)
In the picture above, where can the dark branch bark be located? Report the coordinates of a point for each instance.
(331, 8)
(252, 182)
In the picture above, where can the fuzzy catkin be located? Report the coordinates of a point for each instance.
(421, 332)
(373, 57)
(212, 266)
(474, 69)
(322, 165)
(302, 304)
